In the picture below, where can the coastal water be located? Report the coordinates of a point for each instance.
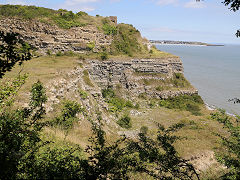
(213, 70)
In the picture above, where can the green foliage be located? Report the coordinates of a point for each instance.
(54, 161)
(152, 103)
(108, 93)
(125, 122)
(91, 46)
(159, 88)
(68, 115)
(144, 130)
(116, 103)
(59, 53)
(8, 90)
(38, 95)
(49, 52)
(158, 158)
(129, 104)
(104, 56)
(12, 50)
(83, 94)
(81, 13)
(109, 29)
(126, 40)
(189, 103)
(19, 135)
(230, 156)
(180, 81)
(63, 18)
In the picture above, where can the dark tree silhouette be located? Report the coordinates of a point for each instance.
(12, 50)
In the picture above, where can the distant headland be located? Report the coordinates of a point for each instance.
(195, 43)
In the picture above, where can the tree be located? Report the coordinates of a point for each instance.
(12, 50)
(19, 135)
(230, 156)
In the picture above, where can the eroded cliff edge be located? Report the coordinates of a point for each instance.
(154, 75)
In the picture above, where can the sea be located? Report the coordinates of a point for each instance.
(213, 70)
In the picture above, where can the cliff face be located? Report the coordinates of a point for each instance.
(50, 37)
(139, 76)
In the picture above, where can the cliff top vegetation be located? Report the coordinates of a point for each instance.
(127, 40)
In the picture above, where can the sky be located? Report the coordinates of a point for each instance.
(187, 20)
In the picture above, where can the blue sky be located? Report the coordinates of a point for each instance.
(208, 21)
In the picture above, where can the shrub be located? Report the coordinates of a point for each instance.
(180, 81)
(152, 103)
(104, 56)
(160, 88)
(126, 40)
(49, 52)
(137, 106)
(109, 29)
(189, 103)
(144, 130)
(68, 115)
(59, 53)
(116, 103)
(83, 94)
(91, 46)
(129, 104)
(108, 93)
(125, 122)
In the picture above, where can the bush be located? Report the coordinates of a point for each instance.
(179, 81)
(125, 122)
(83, 94)
(91, 46)
(104, 56)
(68, 115)
(144, 130)
(160, 88)
(137, 106)
(49, 52)
(129, 104)
(126, 41)
(189, 103)
(116, 103)
(108, 93)
(59, 53)
(109, 29)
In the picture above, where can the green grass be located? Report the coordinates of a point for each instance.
(63, 18)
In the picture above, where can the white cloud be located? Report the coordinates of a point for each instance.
(167, 2)
(77, 2)
(194, 4)
(18, 2)
(78, 5)
(87, 9)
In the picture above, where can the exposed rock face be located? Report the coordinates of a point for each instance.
(113, 73)
(50, 37)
